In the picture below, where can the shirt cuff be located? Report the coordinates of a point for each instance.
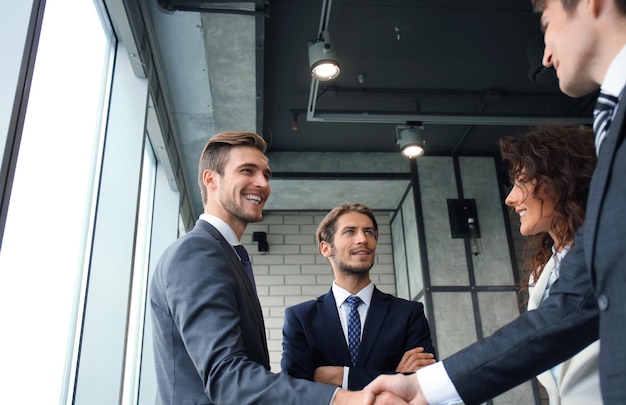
(436, 385)
(344, 382)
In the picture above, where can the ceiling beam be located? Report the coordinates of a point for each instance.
(398, 117)
(390, 117)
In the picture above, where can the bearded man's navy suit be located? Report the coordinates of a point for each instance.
(313, 337)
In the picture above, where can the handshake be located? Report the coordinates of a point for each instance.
(393, 389)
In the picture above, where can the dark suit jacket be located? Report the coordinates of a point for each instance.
(312, 337)
(588, 301)
(209, 335)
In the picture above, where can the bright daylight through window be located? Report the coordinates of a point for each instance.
(44, 248)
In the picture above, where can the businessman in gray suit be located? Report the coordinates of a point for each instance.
(209, 336)
(585, 41)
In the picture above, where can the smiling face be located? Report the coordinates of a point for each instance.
(571, 46)
(536, 212)
(353, 248)
(239, 194)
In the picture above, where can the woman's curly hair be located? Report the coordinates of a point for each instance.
(561, 159)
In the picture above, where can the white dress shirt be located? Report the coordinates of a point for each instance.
(615, 80)
(223, 228)
(343, 309)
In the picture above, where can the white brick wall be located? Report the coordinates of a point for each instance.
(294, 271)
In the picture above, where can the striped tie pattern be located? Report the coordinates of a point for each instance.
(354, 327)
(602, 115)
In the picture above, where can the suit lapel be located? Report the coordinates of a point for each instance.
(536, 295)
(239, 273)
(546, 378)
(337, 345)
(375, 317)
(232, 256)
(600, 180)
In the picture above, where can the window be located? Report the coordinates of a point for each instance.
(138, 301)
(49, 221)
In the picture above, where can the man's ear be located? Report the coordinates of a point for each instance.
(325, 249)
(209, 178)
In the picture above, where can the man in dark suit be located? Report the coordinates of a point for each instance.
(209, 335)
(395, 336)
(585, 41)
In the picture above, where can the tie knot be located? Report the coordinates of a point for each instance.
(605, 102)
(243, 253)
(354, 301)
(602, 116)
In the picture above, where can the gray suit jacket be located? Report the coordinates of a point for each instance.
(209, 336)
(587, 302)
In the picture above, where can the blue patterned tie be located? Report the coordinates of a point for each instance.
(602, 115)
(245, 260)
(354, 327)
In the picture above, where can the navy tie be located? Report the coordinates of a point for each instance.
(245, 260)
(602, 115)
(354, 327)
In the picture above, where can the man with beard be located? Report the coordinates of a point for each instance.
(209, 335)
(355, 332)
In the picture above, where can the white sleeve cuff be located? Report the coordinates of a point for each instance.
(346, 372)
(437, 386)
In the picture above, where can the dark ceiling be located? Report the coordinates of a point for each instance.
(435, 61)
(459, 67)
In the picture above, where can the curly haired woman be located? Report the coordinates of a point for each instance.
(550, 169)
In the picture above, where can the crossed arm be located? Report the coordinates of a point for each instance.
(308, 351)
(411, 361)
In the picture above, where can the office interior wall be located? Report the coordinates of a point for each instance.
(472, 295)
(294, 271)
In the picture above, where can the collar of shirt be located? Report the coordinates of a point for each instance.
(615, 79)
(558, 258)
(341, 294)
(223, 228)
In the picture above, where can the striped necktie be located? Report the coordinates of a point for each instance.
(354, 327)
(602, 115)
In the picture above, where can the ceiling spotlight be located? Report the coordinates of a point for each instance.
(411, 140)
(324, 65)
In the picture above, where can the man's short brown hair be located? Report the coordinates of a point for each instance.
(327, 228)
(216, 152)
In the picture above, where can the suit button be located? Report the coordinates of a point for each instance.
(603, 302)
